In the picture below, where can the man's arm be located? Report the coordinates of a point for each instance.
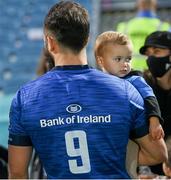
(19, 158)
(151, 152)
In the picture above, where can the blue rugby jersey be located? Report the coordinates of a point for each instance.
(79, 120)
(151, 104)
(140, 84)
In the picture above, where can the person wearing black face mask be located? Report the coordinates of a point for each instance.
(157, 48)
(158, 66)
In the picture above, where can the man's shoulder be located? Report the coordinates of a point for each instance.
(32, 84)
(104, 77)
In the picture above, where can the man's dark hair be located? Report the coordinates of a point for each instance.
(68, 23)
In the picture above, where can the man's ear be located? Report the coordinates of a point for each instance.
(52, 45)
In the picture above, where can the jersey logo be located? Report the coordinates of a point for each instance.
(74, 108)
(167, 66)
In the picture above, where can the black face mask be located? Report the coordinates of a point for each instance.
(158, 66)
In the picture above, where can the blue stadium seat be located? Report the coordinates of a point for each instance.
(18, 53)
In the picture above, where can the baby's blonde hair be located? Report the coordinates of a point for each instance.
(107, 38)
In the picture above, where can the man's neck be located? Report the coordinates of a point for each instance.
(68, 58)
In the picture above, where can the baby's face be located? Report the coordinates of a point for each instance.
(116, 59)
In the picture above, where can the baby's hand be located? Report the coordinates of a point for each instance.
(156, 130)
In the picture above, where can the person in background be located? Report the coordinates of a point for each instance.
(157, 48)
(113, 53)
(77, 118)
(167, 164)
(137, 28)
(46, 62)
(3, 163)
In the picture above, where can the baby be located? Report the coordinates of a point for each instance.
(113, 53)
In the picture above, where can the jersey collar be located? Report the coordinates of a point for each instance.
(71, 67)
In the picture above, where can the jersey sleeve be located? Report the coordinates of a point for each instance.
(152, 108)
(140, 84)
(17, 133)
(139, 126)
(150, 101)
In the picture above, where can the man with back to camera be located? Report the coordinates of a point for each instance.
(77, 118)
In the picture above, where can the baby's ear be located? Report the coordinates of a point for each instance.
(99, 60)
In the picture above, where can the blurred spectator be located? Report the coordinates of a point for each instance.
(145, 22)
(147, 174)
(36, 168)
(45, 63)
(158, 49)
(3, 163)
(167, 165)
